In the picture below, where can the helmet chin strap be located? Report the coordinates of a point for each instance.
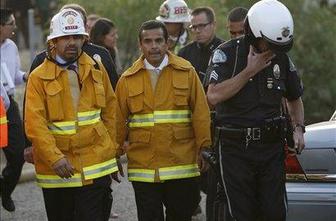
(50, 58)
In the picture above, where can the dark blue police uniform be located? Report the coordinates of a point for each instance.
(251, 142)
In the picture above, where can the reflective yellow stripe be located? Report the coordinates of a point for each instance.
(100, 169)
(54, 181)
(69, 127)
(3, 120)
(172, 116)
(64, 127)
(142, 175)
(88, 117)
(167, 116)
(179, 172)
(141, 120)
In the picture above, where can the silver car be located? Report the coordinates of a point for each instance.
(311, 177)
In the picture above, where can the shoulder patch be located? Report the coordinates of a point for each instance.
(97, 57)
(213, 75)
(219, 57)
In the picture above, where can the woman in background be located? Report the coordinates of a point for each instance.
(105, 34)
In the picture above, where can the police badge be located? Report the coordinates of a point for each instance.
(276, 71)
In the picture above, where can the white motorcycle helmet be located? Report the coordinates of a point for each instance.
(174, 11)
(271, 21)
(66, 22)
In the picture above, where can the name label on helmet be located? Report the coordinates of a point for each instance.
(71, 27)
(180, 10)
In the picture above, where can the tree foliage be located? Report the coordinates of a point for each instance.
(313, 52)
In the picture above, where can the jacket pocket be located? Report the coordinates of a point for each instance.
(183, 146)
(180, 83)
(183, 133)
(99, 88)
(104, 147)
(54, 101)
(136, 98)
(62, 142)
(140, 152)
(139, 136)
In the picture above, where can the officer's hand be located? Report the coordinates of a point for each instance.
(258, 61)
(203, 165)
(28, 155)
(63, 168)
(298, 138)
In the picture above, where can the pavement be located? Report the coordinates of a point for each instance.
(30, 207)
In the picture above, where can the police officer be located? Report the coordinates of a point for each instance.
(248, 77)
(198, 52)
(235, 22)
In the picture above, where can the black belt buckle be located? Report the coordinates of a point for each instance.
(256, 133)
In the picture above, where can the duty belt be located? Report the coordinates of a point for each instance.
(271, 130)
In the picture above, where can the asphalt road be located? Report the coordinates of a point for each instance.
(29, 203)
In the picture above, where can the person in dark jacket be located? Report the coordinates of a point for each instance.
(198, 52)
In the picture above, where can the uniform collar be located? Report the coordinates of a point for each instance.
(53, 70)
(163, 64)
(173, 60)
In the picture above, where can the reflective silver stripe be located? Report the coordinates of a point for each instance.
(143, 175)
(63, 127)
(100, 169)
(141, 120)
(166, 116)
(179, 172)
(54, 181)
(88, 117)
(222, 176)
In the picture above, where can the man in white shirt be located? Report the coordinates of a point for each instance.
(10, 71)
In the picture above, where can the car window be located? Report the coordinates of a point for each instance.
(333, 117)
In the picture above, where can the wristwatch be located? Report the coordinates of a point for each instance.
(303, 127)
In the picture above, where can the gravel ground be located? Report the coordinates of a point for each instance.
(30, 207)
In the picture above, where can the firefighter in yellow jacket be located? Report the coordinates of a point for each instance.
(168, 121)
(71, 120)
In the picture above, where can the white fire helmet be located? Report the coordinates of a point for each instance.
(66, 22)
(174, 11)
(272, 21)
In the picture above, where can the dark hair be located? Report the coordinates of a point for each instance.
(237, 14)
(78, 8)
(207, 10)
(153, 24)
(5, 13)
(101, 28)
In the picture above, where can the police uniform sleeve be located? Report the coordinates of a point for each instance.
(294, 87)
(220, 67)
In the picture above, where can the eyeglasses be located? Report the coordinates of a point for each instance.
(199, 26)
